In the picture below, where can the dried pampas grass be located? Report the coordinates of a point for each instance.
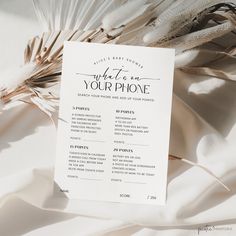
(185, 25)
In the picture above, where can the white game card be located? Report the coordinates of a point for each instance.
(114, 122)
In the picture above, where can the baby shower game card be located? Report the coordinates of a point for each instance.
(114, 123)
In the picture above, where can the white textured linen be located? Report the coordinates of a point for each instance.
(203, 130)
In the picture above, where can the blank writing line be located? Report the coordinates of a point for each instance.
(137, 144)
(131, 182)
(91, 140)
(92, 179)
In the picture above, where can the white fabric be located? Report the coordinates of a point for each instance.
(203, 130)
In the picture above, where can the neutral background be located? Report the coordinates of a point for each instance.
(27, 152)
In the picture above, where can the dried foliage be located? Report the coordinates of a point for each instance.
(191, 27)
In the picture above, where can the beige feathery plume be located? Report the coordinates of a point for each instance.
(183, 25)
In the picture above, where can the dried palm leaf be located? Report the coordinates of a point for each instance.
(171, 157)
(42, 70)
(150, 23)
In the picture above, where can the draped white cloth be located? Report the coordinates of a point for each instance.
(203, 130)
